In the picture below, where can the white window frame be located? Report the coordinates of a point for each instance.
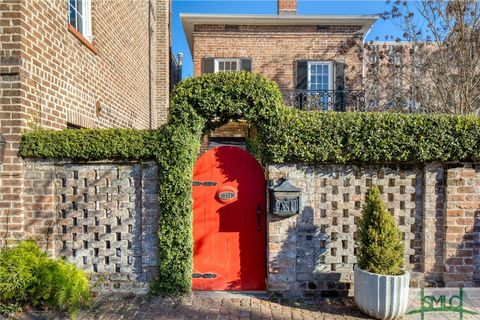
(330, 73)
(217, 60)
(86, 19)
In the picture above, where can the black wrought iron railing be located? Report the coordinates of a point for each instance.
(346, 100)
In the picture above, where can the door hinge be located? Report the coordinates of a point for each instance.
(204, 183)
(204, 275)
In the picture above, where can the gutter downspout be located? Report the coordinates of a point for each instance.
(363, 54)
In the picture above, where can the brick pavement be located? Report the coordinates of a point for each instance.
(206, 307)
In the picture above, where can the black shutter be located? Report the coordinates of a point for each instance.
(208, 65)
(339, 87)
(246, 64)
(302, 83)
(339, 83)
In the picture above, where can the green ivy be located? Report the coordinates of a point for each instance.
(280, 135)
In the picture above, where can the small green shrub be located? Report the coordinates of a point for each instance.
(28, 276)
(379, 240)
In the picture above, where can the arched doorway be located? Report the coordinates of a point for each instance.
(228, 221)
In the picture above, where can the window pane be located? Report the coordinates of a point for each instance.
(80, 7)
(72, 17)
(72, 14)
(319, 76)
(79, 23)
(234, 66)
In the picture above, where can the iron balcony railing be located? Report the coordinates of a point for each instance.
(345, 100)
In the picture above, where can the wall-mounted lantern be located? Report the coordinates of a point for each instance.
(285, 200)
(3, 146)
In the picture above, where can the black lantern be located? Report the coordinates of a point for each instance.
(3, 146)
(285, 200)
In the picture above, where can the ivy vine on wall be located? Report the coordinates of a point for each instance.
(281, 135)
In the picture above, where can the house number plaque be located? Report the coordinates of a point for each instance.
(227, 194)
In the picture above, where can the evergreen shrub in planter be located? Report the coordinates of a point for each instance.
(380, 284)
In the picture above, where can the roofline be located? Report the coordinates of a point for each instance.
(189, 20)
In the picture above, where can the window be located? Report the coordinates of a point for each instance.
(320, 76)
(373, 53)
(394, 55)
(80, 17)
(225, 65)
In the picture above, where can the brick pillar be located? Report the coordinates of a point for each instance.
(11, 166)
(286, 7)
(281, 248)
(39, 202)
(433, 222)
(462, 204)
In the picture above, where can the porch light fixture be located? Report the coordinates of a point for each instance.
(3, 146)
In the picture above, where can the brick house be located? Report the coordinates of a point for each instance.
(317, 60)
(72, 64)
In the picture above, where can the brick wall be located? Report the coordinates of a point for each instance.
(12, 120)
(101, 217)
(49, 78)
(313, 252)
(274, 50)
(462, 226)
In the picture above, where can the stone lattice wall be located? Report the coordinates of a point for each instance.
(314, 252)
(101, 217)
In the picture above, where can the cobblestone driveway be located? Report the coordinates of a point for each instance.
(208, 306)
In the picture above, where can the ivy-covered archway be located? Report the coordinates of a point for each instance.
(199, 105)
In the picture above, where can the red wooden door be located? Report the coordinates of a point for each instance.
(228, 221)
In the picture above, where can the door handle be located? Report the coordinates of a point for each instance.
(259, 218)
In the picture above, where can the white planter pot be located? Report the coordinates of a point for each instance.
(381, 296)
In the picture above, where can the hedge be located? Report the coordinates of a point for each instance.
(91, 144)
(293, 137)
(316, 137)
(281, 135)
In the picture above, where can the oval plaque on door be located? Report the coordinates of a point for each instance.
(227, 194)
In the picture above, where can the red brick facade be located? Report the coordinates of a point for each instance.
(51, 78)
(275, 50)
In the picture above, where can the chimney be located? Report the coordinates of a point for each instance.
(287, 7)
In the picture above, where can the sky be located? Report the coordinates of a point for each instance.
(305, 7)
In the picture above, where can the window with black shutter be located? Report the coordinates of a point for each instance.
(210, 65)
